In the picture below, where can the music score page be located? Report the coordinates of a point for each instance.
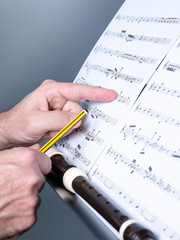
(130, 148)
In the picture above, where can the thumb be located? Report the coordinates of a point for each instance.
(35, 146)
(44, 163)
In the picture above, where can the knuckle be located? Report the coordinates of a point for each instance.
(34, 201)
(47, 81)
(34, 183)
(30, 220)
(31, 122)
(26, 156)
(30, 157)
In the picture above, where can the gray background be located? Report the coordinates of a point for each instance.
(42, 39)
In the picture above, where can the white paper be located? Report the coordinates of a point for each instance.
(131, 147)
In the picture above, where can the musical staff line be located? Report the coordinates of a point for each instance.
(138, 19)
(145, 173)
(90, 136)
(158, 115)
(132, 37)
(124, 100)
(127, 56)
(165, 90)
(74, 151)
(113, 73)
(145, 213)
(120, 98)
(153, 142)
(82, 81)
(97, 113)
(172, 67)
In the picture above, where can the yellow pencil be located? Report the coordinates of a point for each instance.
(63, 131)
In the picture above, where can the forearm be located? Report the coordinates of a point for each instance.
(4, 143)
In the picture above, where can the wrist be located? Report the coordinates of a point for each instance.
(4, 143)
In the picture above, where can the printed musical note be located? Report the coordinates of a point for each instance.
(113, 73)
(147, 174)
(74, 151)
(127, 56)
(158, 115)
(164, 90)
(132, 37)
(81, 80)
(95, 113)
(137, 206)
(152, 142)
(138, 57)
(90, 136)
(137, 19)
(172, 67)
(122, 99)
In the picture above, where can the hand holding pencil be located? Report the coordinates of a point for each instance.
(42, 113)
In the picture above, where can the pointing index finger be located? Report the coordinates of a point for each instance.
(77, 91)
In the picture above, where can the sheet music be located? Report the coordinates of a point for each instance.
(146, 150)
(130, 147)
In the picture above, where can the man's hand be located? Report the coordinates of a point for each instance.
(45, 111)
(21, 178)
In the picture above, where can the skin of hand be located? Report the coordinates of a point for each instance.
(39, 115)
(22, 173)
(45, 111)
